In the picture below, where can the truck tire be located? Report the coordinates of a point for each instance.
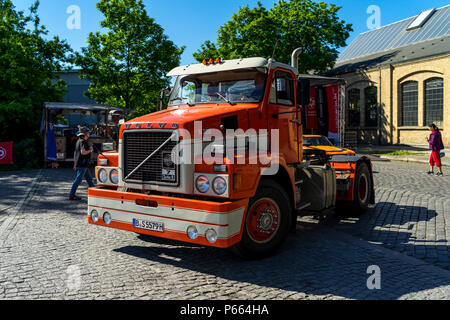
(362, 191)
(267, 223)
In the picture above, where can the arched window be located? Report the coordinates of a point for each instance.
(434, 101)
(371, 98)
(354, 108)
(410, 102)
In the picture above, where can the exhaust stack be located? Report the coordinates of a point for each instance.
(294, 60)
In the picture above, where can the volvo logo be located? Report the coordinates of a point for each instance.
(149, 125)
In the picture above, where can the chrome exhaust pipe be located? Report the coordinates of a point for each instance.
(294, 60)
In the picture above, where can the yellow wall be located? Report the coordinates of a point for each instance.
(391, 79)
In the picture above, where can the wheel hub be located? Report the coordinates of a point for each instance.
(263, 221)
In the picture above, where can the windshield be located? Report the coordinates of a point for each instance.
(220, 87)
(316, 141)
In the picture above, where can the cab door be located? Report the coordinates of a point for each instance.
(283, 115)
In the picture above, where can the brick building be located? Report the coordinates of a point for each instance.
(398, 80)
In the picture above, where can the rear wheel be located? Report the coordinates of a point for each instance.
(267, 223)
(362, 191)
(362, 194)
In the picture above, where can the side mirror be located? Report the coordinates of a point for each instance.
(163, 94)
(303, 92)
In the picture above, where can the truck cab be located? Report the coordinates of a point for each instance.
(223, 165)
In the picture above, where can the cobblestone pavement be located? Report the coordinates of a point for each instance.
(51, 244)
(412, 214)
(13, 185)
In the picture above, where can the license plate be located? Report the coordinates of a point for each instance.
(148, 225)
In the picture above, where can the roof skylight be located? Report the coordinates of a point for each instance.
(421, 19)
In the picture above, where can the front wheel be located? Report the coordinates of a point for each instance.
(267, 223)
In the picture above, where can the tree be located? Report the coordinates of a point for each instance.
(28, 63)
(127, 64)
(290, 24)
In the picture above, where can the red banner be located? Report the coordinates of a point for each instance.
(311, 112)
(6, 153)
(333, 109)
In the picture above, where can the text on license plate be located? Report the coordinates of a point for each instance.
(148, 225)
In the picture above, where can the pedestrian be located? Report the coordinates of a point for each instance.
(82, 156)
(436, 145)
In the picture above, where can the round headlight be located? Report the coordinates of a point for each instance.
(219, 186)
(211, 236)
(107, 218)
(94, 215)
(114, 176)
(192, 232)
(102, 176)
(202, 184)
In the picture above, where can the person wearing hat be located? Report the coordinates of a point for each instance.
(82, 156)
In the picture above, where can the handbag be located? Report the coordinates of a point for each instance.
(442, 154)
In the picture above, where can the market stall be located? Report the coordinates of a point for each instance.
(61, 122)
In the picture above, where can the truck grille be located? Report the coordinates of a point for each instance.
(137, 146)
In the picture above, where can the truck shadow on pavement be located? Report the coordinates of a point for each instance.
(412, 230)
(316, 261)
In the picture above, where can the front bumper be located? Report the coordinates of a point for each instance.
(177, 214)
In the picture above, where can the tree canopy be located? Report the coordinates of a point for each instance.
(28, 62)
(314, 26)
(128, 62)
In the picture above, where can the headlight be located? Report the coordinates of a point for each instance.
(102, 176)
(94, 215)
(114, 176)
(219, 186)
(211, 236)
(107, 218)
(202, 184)
(192, 232)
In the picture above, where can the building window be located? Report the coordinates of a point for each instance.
(434, 101)
(354, 108)
(410, 102)
(371, 99)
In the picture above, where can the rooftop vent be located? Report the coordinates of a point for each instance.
(421, 19)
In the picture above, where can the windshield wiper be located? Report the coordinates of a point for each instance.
(231, 103)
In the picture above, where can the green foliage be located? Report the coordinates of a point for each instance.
(314, 26)
(128, 62)
(28, 61)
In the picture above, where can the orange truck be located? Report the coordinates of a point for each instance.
(243, 191)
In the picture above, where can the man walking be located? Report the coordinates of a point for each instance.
(81, 163)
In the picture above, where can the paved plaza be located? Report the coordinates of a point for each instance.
(48, 251)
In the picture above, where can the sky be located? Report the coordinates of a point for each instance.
(191, 22)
